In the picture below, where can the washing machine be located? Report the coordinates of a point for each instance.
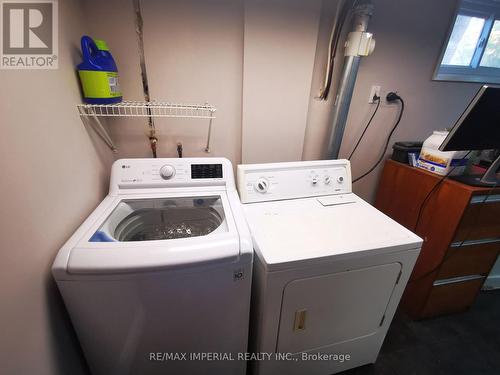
(157, 279)
(329, 269)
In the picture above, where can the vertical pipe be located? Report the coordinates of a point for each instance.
(342, 103)
(361, 16)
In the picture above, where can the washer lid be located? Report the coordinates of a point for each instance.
(309, 230)
(147, 233)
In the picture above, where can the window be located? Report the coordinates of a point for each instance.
(472, 49)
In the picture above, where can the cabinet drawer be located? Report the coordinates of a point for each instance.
(480, 220)
(449, 296)
(471, 258)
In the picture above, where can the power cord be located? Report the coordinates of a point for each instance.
(434, 188)
(449, 254)
(391, 97)
(376, 98)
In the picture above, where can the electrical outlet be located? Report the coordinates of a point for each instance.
(374, 91)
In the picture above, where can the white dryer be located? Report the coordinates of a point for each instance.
(161, 270)
(329, 269)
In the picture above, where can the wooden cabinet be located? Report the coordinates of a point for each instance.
(468, 259)
(460, 225)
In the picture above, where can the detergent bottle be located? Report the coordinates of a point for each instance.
(98, 73)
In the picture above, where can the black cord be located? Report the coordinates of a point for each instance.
(387, 140)
(450, 254)
(366, 127)
(434, 188)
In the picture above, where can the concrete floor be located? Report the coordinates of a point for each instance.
(465, 343)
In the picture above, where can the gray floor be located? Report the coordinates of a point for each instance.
(465, 343)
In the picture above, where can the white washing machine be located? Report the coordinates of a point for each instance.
(329, 269)
(161, 270)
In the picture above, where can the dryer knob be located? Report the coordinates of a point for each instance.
(167, 172)
(262, 185)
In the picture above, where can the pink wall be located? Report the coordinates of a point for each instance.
(54, 172)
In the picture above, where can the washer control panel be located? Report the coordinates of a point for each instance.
(147, 173)
(267, 182)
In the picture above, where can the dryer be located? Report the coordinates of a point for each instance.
(160, 272)
(329, 269)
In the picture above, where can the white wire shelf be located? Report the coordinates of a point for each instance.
(152, 109)
(147, 109)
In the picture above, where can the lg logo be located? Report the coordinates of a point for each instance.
(29, 34)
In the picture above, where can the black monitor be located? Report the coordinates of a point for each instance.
(478, 128)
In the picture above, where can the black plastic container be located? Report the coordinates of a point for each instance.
(400, 150)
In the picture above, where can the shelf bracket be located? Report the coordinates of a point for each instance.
(99, 128)
(207, 148)
(103, 133)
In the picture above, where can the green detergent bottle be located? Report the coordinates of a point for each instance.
(98, 73)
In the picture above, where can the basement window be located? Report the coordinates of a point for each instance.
(472, 49)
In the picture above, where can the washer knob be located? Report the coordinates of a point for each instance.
(262, 185)
(315, 180)
(167, 172)
(340, 179)
(328, 180)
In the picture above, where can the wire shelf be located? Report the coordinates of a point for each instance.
(147, 109)
(144, 109)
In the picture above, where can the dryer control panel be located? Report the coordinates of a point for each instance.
(276, 181)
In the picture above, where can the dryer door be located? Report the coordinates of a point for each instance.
(329, 309)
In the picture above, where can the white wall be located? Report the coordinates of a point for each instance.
(280, 41)
(193, 51)
(409, 37)
(194, 54)
(53, 175)
(252, 59)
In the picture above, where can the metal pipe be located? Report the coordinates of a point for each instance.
(361, 16)
(342, 103)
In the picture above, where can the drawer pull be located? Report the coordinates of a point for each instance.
(477, 199)
(454, 280)
(475, 242)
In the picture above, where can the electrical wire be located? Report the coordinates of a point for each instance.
(434, 188)
(450, 254)
(366, 127)
(401, 111)
(333, 46)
